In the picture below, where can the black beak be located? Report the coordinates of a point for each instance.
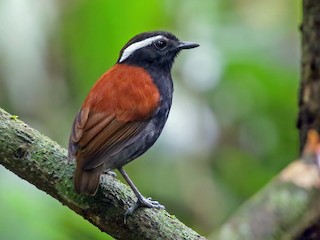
(187, 45)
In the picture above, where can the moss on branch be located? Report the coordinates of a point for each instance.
(282, 210)
(42, 162)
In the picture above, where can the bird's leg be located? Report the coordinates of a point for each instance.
(142, 201)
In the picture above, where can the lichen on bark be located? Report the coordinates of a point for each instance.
(42, 162)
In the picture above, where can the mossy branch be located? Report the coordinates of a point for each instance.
(284, 209)
(43, 163)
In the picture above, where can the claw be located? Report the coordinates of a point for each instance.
(144, 202)
(110, 173)
(141, 202)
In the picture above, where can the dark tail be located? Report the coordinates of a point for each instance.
(86, 182)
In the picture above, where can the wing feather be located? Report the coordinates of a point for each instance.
(108, 142)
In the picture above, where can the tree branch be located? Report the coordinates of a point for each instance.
(42, 162)
(283, 209)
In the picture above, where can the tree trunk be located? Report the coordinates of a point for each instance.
(309, 99)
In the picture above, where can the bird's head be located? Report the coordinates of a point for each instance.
(153, 49)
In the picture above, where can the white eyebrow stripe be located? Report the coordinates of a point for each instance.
(137, 45)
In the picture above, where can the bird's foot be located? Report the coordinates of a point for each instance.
(110, 173)
(143, 202)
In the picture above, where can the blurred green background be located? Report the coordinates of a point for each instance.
(232, 124)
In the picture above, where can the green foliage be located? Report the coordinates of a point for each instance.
(254, 102)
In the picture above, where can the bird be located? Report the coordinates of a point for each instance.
(125, 112)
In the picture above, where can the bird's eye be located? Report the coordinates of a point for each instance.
(160, 44)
